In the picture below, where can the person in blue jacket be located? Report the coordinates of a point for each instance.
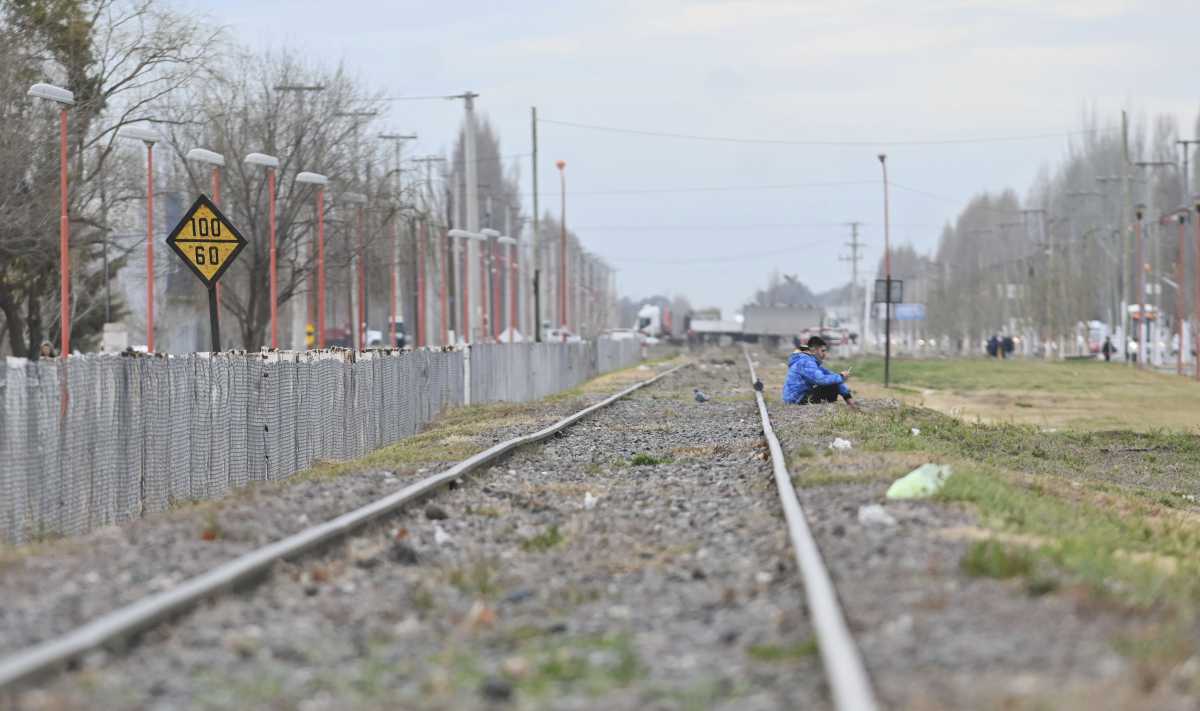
(808, 382)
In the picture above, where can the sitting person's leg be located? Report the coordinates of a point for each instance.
(822, 393)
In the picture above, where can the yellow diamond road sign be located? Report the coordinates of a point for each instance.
(206, 241)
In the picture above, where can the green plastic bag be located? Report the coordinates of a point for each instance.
(922, 482)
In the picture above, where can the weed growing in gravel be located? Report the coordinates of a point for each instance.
(786, 653)
(478, 578)
(593, 665)
(989, 559)
(543, 541)
(642, 459)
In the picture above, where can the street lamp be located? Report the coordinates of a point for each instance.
(464, 290)
(562, 250)
(1139, 212)
(320, 181)
(488, 268)
(489, 272)
(1196, 287)
(271, 165)
(359, 200)
(512, 285)
(149, 138)
(398, 140)
(887, 278)
(63, 98)
(217, 161)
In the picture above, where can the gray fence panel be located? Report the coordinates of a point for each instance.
(139, 434)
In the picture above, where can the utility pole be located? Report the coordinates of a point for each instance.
(537, 253)
(472, 198)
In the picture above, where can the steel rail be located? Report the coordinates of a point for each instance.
(148, 611)
(848, 680)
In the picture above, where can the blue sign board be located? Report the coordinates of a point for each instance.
(910, 312)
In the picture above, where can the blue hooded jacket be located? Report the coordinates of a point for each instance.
(804, 373)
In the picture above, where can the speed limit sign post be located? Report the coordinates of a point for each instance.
(208, 243)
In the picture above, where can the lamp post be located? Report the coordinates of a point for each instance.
(271, 164)
(1181, 216)
(1139, 212)
(512, 285)
(217, 161)
(394, 309)
(464, 324)
(63, 98)
(149, 138)
(562, 250)
(488, 271)
(1196, 289)
(359, 330)
(887, 278)
(420, 326)
(320, 181)
(486, 265)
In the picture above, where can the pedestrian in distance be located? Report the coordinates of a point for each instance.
(993, 346)
(46, 351)
(1007, 346)
(1108, 349)
(810, 382)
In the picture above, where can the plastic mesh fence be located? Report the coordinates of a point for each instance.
(101, 439)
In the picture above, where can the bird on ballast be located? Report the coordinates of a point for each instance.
(758, 385)
(700, 397)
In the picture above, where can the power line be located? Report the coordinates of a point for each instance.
(743, 256)
(779, 142)
(721, 228)
(721, 188)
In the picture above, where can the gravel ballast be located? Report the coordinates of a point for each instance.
(637, 560)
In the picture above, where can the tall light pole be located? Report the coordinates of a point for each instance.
(512, 285)
(488, 267)
(217, 161)
(562, 249)
(394, 307)
(1139, 212)
(421, 326)
(887, 277)
(148, 138)
(63, 98)
(271, 165)
(441, 251)
(359, 330)
(1196, 288)
(464, 317)
(1180, 307)
(320, 181)
(471, 172)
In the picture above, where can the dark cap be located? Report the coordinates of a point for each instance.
(817, 342)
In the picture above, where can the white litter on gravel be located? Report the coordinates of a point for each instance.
(916, 431)
(840, 444)
(440, 536)
(875, 515)
(589, 501)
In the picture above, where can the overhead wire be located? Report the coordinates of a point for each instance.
(785, 142)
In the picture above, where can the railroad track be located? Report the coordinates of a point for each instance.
(842, 665)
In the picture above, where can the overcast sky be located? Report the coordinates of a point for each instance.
(868, 75)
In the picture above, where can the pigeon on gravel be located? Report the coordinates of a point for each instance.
(700, 397)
